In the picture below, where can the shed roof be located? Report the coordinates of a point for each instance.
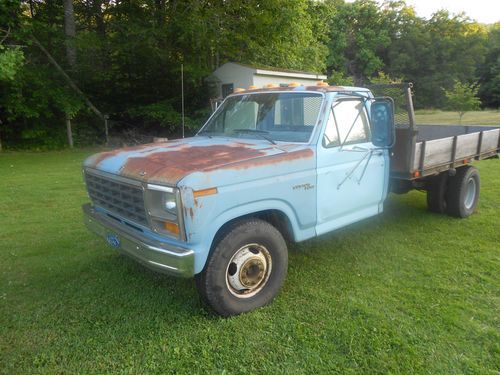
(272, 71)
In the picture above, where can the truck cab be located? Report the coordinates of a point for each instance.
(270, 166)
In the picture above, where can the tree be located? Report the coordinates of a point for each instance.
(489, 90)
(358, 33)
(126, 55)
(434, 53)
(462, 98)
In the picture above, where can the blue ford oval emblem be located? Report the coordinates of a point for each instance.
(113, 240)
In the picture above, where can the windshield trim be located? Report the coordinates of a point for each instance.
(316, 93)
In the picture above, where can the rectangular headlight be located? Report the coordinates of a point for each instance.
(163, 207)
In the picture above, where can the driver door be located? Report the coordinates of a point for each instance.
(352, 173)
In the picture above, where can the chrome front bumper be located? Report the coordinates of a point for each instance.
(159, 256)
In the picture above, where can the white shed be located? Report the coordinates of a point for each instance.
(225, 79)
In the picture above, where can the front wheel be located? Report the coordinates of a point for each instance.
(245, 270)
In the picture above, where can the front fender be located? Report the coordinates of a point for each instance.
(202, 242)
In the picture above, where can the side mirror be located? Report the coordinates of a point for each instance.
(382, 122)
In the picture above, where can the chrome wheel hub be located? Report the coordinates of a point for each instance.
(248, 270)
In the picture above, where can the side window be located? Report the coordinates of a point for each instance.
(347, 124)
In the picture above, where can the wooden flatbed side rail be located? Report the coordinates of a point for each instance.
(438, 155)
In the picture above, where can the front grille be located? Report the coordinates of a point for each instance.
(121, 199)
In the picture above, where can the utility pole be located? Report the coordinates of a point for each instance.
(182, 97)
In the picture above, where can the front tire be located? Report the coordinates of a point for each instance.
(245, 270)
(463, 192)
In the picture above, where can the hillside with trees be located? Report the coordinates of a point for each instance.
(124, 57)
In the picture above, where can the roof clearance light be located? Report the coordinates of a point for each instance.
(321, 83)
(252, 87)
(293, 84)
(271, 85)
(239, 89)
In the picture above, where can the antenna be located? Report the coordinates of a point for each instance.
(182, 97)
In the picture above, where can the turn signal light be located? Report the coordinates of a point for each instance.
(171, 227)
(202, 193)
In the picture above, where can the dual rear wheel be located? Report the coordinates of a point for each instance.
(454, 195)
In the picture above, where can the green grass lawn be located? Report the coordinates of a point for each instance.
(438, 117)
(406, 292)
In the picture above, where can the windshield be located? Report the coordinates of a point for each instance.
(288, 117)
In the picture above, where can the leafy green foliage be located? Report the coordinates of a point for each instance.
(357, 32)
(489, 90)
(10, 62)
(338, 78)
(462, 98)
(129, 55)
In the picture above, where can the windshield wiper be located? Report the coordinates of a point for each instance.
(260, 133)
(208, 133)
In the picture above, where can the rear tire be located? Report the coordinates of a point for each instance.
(436, 193)
(463, 192)
(245, 270)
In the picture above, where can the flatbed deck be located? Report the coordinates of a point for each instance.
(426, 150)
(436, 148)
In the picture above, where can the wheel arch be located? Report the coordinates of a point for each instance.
(277, 213)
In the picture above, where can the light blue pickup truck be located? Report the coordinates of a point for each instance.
(270, 166)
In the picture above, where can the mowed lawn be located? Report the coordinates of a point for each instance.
(438, 117)
(406, 292)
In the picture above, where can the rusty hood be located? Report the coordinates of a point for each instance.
(171, 161)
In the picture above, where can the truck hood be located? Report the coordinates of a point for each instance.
(169, 162)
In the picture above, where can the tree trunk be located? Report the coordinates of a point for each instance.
(160, 11)
(99, 18)
(69, 131)
(70, 32)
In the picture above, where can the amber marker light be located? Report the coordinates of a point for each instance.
(271, 85)
(171, 227)
(252, 87)
(293, 84)
(321, 83)
(204, 192)
(239, 89)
